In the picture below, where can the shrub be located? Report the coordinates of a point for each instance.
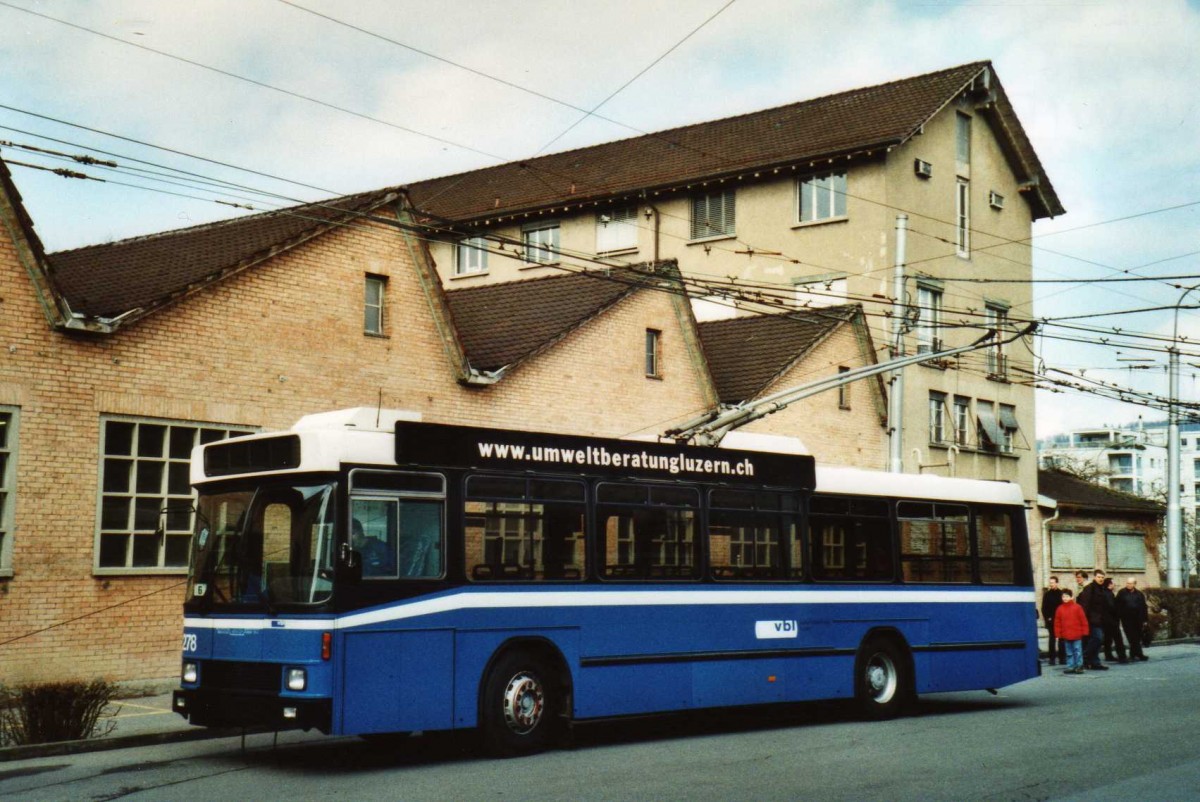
(1180, 607)
(55, 711)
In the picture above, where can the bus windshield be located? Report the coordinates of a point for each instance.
(264, 547)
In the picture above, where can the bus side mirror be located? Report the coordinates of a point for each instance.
(349, 568)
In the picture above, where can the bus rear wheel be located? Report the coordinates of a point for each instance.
(882, 681)
(519, 706)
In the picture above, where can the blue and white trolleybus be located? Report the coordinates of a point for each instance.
(368, 573)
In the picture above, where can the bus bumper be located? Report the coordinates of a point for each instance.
(225, 709)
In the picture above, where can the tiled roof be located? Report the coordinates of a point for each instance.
(110, 279)
(502, 324)
(861, 119)
(746, 354)
(1072, 491)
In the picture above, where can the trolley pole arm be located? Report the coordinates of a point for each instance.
(708, 429)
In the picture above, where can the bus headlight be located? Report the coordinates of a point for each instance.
(297, 679)
(190, 673)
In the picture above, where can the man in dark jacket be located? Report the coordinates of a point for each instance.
(1094, 602)
(1112, 626)
(1051, 599)
(1131, 609)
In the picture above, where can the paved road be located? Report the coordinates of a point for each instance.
(1129, 733)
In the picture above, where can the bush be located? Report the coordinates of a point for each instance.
(1174, 612)
(55, 711)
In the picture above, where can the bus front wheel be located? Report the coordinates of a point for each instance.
(882, 681)
(519, 706)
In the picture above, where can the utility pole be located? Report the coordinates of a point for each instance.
(1174, 529)
(896, 385)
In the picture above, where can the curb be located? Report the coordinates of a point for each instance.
(54, 748)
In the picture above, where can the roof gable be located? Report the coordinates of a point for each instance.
(856, 121)
(747, 354)
(143, 273)
(501, 325)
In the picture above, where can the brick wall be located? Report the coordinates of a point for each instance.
(261, 349)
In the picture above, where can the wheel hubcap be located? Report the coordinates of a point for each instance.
(524, 703)
(881, 678)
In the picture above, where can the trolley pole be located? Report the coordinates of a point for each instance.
(896, 388)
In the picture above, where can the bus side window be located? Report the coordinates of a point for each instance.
(420, 539)
(524, 529)
(649, 531)
(994, 539)
(935, 544)
(851, 539)
(750, 534)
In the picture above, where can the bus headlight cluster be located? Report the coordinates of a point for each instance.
(297, 679)
(190, 673)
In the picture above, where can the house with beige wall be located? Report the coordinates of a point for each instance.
(796, 207)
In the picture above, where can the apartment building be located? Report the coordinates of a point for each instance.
(796, 207)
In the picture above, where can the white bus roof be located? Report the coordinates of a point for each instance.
(366, 436)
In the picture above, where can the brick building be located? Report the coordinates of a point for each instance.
(463, 299)
(118, 359)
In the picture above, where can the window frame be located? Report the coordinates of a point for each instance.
(133, 493)
(962, 420)
(653, 354)
(1081, 534)
(929, 300)
(9, 449)
(1124, 567)
(363, 492)
(726, 201)
(379, 305)
(468, 250)
(996, 318)
(962, 217)
(534, 250)
(836, 184)
(962, 143)
(843, 393)
(937, 418)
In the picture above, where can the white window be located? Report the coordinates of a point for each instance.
(962, 142)
(937, 417)
(373, 305)
(997, 321)
(962, 420)
(8, 484)
(145, 516)
(714, 215)
(962, 217)
(822, 197)
(653, 353)
(616, 230)
(470, 256)
(541, 243)
(929, 319)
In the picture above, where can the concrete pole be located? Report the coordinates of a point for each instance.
(1174, 527)
(896, 396)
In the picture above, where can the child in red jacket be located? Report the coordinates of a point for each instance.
(1071, 627)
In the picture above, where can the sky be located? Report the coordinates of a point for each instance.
(1106, 90)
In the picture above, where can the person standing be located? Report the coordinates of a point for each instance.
(1133, 614)
(1051, 599)
(1093, 601)
(1112, 627)
(1071, 627)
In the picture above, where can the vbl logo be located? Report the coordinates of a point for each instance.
(775, 629)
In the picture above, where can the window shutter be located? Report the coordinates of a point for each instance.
(1126, 552)
(1072, 549)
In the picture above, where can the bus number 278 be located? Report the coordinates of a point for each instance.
(189, 642)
